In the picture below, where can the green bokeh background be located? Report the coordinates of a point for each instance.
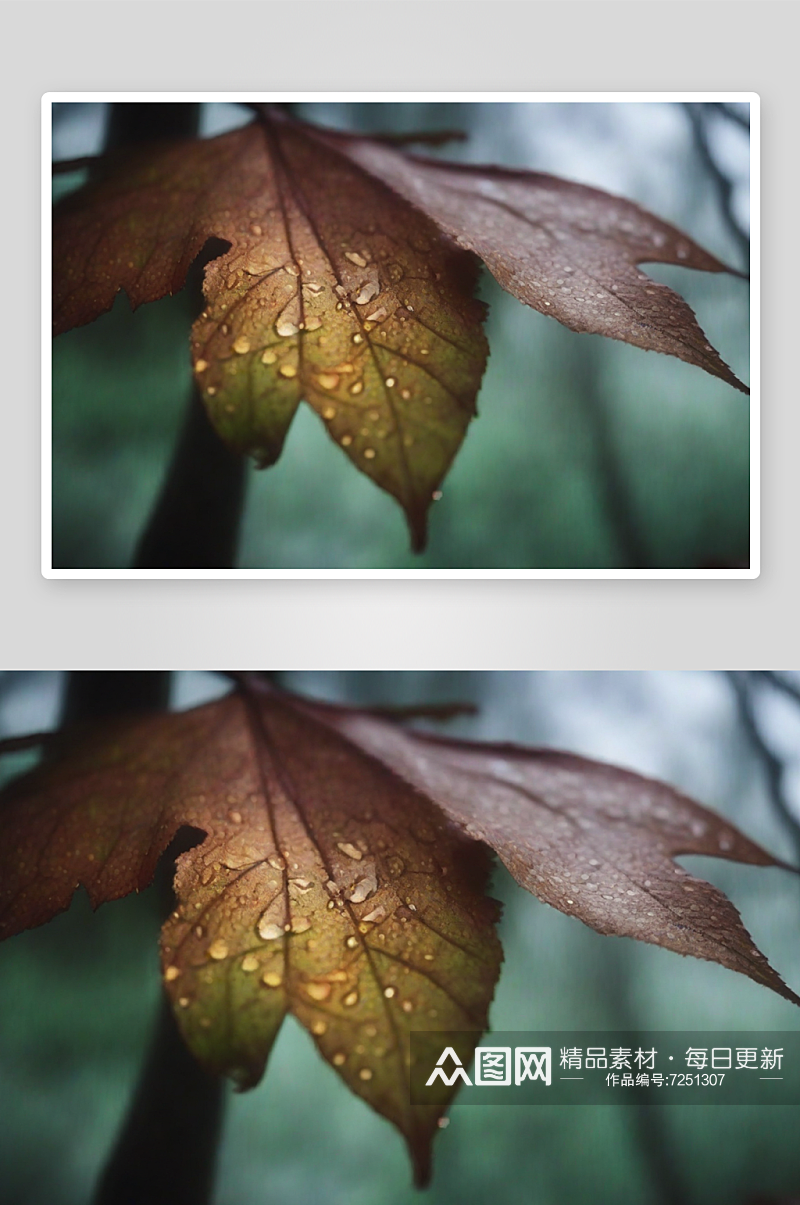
(585, 454)
(77, 996)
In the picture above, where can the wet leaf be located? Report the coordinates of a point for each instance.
(334, 290)
(565, 249)
(324, 887)
(348, 282)
(595, 841)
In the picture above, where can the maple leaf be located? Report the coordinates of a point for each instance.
(341, 872)
(348, 282)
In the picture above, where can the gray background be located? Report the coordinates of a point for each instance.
(305, 46)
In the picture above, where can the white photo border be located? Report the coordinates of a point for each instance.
(750, 98)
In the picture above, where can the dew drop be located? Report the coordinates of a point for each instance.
(285, 328)
(352, 851)
(291, 269)
(301, 924)
(224, 328)
(339, 1059)
(436, 495)
(318, 991)
(329, 412)
(313, 324)
(369, 453)
(319, 1028)
(358, 338)
(357, 387)
(389, 992)
(365, 1073)
(269, 356)
(235, 817)
(301, 885)
(407, 1006)
(365, 886)
(198, 930)
(218, 950)
(369, 292)
(443, 1123)
(390, 382)
(171, 973)
(255, 229)
(373, 415)
(347, 440)
(241, 345)
(355, 258)
(328, 380)
(271, 979)
(276, 862)
(377, 315)
(352, 943)
(350, 999)
(249, 963)
(268, 930)
(207, 875)
(405, 394)
(288, 370)
(184, 1001)
(200, 365)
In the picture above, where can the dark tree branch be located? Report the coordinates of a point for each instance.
(195, 521)
(166, 1151)
(723, 185)
(733, 114)
(773, 766)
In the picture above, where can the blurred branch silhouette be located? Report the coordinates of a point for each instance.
(700, 117)
(746, 689)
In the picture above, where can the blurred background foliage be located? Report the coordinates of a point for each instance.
(78, 996)
(585, 454)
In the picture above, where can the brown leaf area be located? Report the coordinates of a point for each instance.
(570, 251)
(593, 840)
(334, 290)
(325, 887)
(348, 282)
